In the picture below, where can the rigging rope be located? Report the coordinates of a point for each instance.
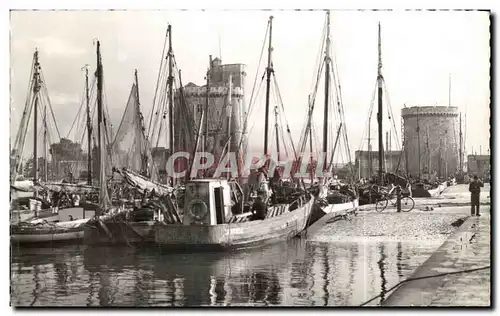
(82, 102)
(157, 82)
(48, 99)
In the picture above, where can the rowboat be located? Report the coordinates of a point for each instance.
(43, 232)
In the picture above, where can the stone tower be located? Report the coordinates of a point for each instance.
(431, 139)
(218, 109)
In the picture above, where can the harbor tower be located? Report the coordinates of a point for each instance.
(431, 140)
(226, 103)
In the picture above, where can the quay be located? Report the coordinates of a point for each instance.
(466, 257)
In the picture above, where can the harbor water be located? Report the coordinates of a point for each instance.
(300, 272)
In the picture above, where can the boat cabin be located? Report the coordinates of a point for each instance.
(207, 202)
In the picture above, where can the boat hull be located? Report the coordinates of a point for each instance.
(116, 232)
(234, 235)
(65, 232)
(340, 207)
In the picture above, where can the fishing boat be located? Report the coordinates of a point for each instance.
(209, 223)
(218, 215)
(29, 197)
(47, 233)
(139, 174)
(331, 195)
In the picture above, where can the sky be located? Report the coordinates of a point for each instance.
(420, 51)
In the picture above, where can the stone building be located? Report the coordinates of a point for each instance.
(392, 159)
(431, 139)
(479, 165)
(226, 102)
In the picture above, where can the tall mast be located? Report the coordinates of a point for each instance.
(327, 91)
(205, 123)
(311, 152)
(369, 148)
(170, 82)
(461, 154)
(277, 132)
(36, 88)
(45, 171)
(99, 112)
(89, 129)
(428, 151)
(269, 70)
(229, 112)
(418, 137)
(103, 194)
(379, 114)
(144, 147)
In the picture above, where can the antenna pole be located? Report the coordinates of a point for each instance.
(269, 70)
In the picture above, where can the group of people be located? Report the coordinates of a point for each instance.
(66, 199)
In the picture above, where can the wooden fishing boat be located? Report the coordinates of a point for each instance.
(209, 223)
(43, 232)
(329, 197)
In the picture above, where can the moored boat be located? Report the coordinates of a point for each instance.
(43, 232)
(209, 222)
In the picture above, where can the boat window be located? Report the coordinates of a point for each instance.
(198, 189)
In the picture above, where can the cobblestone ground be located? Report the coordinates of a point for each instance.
(415, 226)
(474, 288)
(468, 248)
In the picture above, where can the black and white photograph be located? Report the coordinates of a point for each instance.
(249, 158)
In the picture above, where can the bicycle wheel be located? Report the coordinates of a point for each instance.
(380, 205)
(407, 204)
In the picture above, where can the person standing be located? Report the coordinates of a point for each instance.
(475, 191)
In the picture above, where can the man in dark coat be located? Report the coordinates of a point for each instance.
(475, 190)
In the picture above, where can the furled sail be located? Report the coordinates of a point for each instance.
(142, 183)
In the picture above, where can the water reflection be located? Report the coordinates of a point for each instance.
(293, 273)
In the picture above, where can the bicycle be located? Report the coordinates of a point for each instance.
(407, 202)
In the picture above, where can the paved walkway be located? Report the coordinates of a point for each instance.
(468, 248)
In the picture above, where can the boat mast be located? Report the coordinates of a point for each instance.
(277, 132)
(45, 171)
(269, 70)
(36, 89)
(418, 137)
(379, 114)
(428, 151)
(327, 91)
(89, 129)
(99, 105)
(144, 147)
(229, 109)
(170, 83)
(205, 116)
(369, 148)
(101, 130)
(461, 155)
